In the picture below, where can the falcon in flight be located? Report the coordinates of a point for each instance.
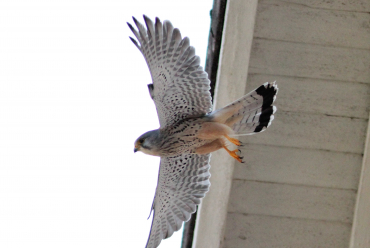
(189, 130)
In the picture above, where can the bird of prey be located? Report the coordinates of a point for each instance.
(189, 131)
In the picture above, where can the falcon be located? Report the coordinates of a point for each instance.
(189, 130)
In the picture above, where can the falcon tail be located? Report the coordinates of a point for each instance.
(253, 113)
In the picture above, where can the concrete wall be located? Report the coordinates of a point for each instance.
(299, 183)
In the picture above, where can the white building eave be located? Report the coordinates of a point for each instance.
(231, 83)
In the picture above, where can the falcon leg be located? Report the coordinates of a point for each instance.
(234, 155)
(210, 147)
(234, 141)
(213, 130)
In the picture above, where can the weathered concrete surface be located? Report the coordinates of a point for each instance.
(345, 5)
(292, 129)
(259, 231)
(292, 201)
(280, 20)
(311, 61)
(299, 166)
(299, 183)
(317, 96)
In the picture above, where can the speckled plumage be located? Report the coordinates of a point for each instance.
(188, 131)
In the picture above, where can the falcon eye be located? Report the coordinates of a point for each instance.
(141, 141)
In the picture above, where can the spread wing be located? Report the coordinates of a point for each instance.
(182, 182)
(180, 86)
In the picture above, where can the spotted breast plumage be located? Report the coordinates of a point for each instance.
(189, 131)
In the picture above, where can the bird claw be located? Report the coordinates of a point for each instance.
(239, 159)
(234, 155)
(233, 140)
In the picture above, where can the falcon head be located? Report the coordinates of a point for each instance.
(148, 143)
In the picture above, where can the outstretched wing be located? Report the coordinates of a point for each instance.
(180, 86)
(182, 182)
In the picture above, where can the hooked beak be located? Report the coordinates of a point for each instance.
(136, 149)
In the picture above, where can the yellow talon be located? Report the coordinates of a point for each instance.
(232, 140)
(234, 155)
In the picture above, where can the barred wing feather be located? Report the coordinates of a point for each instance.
(180, 86)
(182, 182)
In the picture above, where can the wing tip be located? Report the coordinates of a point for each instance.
(157, 20)
(147, 19)
(130, 26)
